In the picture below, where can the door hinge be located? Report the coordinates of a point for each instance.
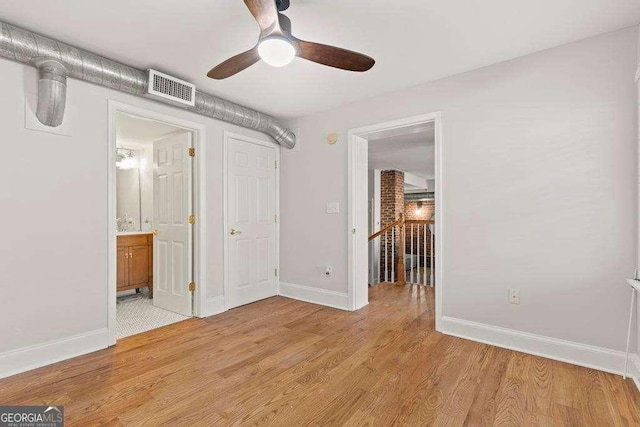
(276, 164)
(192, 152)
(192, 219)
(353, 231)
(275, 218)
(192, 286)
(276, 272)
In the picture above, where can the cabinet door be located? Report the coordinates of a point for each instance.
(138, 265)
(122, 267)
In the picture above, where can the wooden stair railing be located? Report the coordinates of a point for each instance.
(399, 267)
(420, 241)
(399, 279)
(385, 229)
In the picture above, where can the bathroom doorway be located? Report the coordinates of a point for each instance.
(154, 220)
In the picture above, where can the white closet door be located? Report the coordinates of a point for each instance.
(251, 233)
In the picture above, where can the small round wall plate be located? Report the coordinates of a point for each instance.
(332, 138)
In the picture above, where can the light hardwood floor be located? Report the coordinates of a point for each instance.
(285, 362)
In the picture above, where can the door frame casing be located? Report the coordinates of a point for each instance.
(225, 200)
(199, 194)
(358, 292)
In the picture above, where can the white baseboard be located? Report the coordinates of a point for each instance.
(636, 364)
(35, 356)
(315, 295)
(599, 358)
(213, 306)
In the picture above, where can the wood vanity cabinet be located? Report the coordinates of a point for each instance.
(135, 262)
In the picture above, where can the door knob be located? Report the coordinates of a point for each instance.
(155, 232)
(234, 232)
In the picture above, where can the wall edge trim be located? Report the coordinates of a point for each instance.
(213, 306)
(588, 356)
(334, 299)
(35, 356)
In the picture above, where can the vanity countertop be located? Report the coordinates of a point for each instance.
(132, 233)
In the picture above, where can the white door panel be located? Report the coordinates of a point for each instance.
(251, 209)
(172, 207)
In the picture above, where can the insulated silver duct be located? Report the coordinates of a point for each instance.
(57, 60)
(52, 92)
(419, 197)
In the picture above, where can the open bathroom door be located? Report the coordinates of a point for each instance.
(171, 210)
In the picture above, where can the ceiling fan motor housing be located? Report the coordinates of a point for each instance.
(285, 23)
(282, 5)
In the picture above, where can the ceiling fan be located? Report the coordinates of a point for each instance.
(277, 46)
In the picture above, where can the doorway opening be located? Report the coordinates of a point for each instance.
(153, 236)
(401, 184)
(405, 157)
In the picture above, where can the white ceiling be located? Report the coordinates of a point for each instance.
(135, 132)
(413, 41)
(412, 151)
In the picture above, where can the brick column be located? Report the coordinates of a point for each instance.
(391, 196)
(391, 206)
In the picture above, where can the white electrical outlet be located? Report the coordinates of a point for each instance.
(514, 296)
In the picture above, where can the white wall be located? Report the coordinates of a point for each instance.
(133, 199)
(418, 182)
(146, 186)
(374, 194)
(373, 183)
(53, 197)
(553, 136)
(128, 191)
(637, 312)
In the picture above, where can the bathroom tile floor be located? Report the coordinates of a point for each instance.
(135, 313)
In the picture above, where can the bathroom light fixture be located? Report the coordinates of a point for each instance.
(276, 51)
(126, 159)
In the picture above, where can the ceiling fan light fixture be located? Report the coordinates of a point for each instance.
(276, 51)
(277, 46)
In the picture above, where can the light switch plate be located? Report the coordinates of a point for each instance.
(514, 296)
(333, 207)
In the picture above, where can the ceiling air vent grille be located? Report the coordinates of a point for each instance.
(171, 88)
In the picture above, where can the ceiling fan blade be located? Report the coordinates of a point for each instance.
(235, 64)
(334, 56)
(265, 12)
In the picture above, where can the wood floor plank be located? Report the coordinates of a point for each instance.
(538, 388)
(289, 363)
(492, 372)
(600, 410)
(568, 416)
(628, 408)
(511, 403)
